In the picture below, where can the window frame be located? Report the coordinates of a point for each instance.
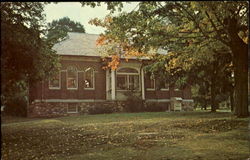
(165, 89)
(93, 79)
(128, 74)
(151, 89)
(75, 70)
(56, 88)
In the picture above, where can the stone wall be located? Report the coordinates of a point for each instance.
(57, 109)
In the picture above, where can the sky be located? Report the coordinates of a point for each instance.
(77, 13)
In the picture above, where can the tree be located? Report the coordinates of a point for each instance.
(188, 28)
(212, 76)
(58, 29)
(26, 56)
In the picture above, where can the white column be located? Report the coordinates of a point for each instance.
(142, 85)
(112, 84)
(107, 84)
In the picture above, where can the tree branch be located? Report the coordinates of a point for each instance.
(193, 19)
(218, 37)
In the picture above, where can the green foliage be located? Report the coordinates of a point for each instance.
(102, 109)
(26, 56)
(17, 106)
(199, 33)
(58, 29)
(156, 107)
(112, 6)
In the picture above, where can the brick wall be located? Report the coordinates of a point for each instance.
(41, 90)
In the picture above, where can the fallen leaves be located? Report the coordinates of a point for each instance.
(51, 141)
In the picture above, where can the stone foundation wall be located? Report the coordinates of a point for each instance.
(57, 109)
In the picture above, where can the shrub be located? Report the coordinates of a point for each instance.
(102, 108)
(156, 107)
(16, 107)
(133, 103)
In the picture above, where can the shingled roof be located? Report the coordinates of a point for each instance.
(82, 44)
(78, 44)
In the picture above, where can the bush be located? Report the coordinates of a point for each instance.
(16, 107)
(133, 103)
(101, 109)
(156, 107)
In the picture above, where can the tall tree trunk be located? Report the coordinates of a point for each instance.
(241, 95)
(240, 51)
(205, 106)
(232, 100)
(213, 95)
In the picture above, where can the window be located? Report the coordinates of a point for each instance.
(133, 82)
(72, 108)
(127, 79)
(89, 78)
(55, 81)
(150, 82)
(165, 86)
(72, 78)
(122, 82)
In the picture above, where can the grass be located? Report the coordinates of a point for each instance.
(140, 136)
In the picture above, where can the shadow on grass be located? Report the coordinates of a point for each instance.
(104, 118)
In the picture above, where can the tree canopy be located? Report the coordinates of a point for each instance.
(58, 29)
(196, 32)
(26, 55)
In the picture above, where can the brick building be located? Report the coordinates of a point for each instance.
(82, 83)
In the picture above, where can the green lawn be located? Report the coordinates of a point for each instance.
(141, 136)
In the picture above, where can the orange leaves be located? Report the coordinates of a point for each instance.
(113, 64)
(101, 40)
(131, 52)
(134, 53)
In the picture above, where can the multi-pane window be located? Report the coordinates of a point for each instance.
(133, 83)
(54, 81)
(122, 83)
(150, 82)
(127, 79)
(72, 78)
(89, 78)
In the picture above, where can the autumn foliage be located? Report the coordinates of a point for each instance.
(116, 51)
(101, 40)
(113, 64)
